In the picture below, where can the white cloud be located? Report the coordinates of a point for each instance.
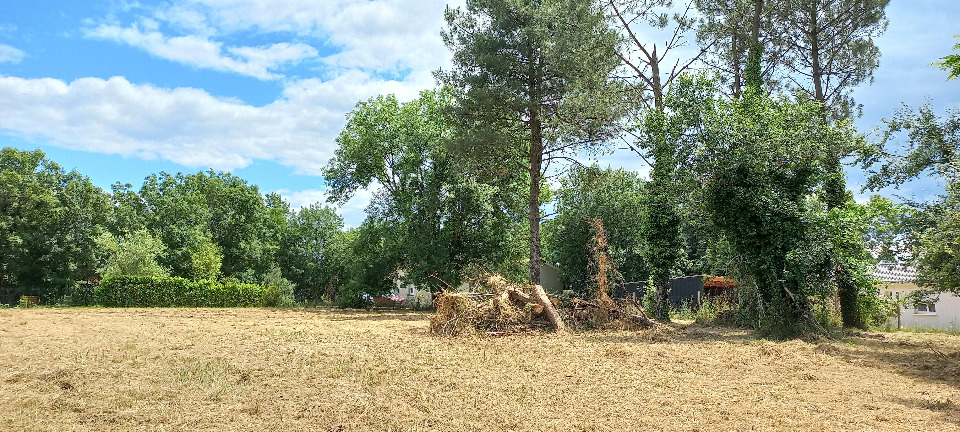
(258, 62)
(185, 125)
(9, 54)
(372, 42)
(379, 36)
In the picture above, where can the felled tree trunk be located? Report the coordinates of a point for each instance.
(540, 298)
(551, 312)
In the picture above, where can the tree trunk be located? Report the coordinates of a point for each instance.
(661, 285)
(753, 72)
(536, 164)
(737, 73)
(757, 14)
(655, 74)
(816, 71)
(548, 309)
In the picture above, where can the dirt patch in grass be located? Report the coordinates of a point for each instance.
(316, 370)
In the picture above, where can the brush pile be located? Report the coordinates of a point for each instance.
(498, 307)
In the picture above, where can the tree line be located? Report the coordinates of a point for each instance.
(746, 137)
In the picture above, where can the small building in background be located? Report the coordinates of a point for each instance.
(550, 278)
(689, 290)
(898, 282)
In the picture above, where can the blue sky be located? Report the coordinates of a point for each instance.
(119, 89)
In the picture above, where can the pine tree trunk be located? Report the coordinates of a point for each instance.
(536, 164)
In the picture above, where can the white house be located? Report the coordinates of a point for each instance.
(897, 282)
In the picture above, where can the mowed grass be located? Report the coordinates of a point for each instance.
(318, 370)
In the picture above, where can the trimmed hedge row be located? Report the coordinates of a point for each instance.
(147, 291)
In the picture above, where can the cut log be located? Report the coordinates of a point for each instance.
(615, 311)
(551, 312)
(520, 297)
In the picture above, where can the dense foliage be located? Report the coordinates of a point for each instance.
(615, 198)
(745, 179)
(532, 85)
(430, 219)
(49, 222)
(147, 291)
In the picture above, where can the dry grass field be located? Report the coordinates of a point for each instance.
(317, 370)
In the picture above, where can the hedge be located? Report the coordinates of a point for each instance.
(148, 291)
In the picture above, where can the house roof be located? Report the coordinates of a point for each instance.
(890, 272)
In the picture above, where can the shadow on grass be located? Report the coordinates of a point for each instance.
(371, 314)
(935, 360)
(685, 334)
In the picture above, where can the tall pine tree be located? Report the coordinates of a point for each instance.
(532, 83)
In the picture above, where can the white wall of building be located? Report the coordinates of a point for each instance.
(946, 313)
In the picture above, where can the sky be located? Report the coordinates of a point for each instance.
(120, 89)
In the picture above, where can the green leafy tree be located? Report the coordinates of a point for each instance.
(760, 162)
(205, 261)
(938, 261)
(133, 254)
(307, 256)
(49, 220)
(932, 147)
(531, 82)
(129, 210)
(188, 210)
(373, 255)
(436, 217)
(615, 197)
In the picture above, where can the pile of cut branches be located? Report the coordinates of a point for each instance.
(498, 307)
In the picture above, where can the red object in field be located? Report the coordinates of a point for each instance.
(388, 300)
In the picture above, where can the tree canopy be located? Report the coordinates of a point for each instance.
(531, 82)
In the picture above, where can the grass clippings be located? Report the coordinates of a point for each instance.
(318, 370)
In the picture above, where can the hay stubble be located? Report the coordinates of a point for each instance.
(286, 370)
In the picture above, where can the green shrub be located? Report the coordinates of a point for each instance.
(148, 291)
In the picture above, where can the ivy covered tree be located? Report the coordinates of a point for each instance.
(762, 162)
(663, 133)
(532, 84)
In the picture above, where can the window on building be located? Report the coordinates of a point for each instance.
(926, 307)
